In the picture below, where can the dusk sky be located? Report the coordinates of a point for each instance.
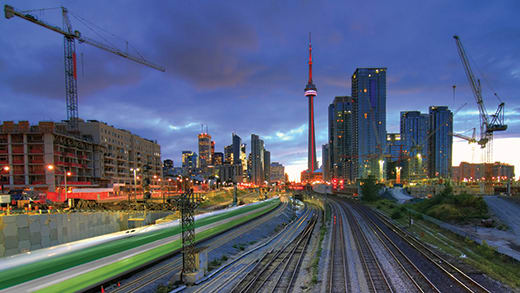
(241, 66)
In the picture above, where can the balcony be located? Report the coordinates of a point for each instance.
(36, 172)
(17, 150)
(18, 161)
(79, 183)
(35, 150)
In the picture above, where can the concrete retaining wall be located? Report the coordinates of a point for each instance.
(23, 233)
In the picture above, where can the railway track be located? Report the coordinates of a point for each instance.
(447, 267)
(426, 269)
(245, 264)
(337, 270)
(377, 281)
(175, 265)
(277, 269)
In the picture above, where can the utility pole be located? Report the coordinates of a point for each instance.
(135, 170)
(187, 203)
(235, 199)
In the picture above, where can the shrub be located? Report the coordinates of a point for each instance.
(396, 215)
(445, 212)
(485, 250)
(369, 189)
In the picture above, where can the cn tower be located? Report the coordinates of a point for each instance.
(310, 91)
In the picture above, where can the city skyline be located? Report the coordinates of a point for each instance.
(247, 70)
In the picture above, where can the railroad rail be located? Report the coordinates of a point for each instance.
(163, 270)
(337, 271)
(244, 265)
(447, 267)
(425, 268)
(277, 268)
(374, 274)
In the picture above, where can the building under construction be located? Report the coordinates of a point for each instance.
(99, 156)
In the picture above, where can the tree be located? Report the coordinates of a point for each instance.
(369, 189)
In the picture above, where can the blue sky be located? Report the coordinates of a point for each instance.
(241, 67)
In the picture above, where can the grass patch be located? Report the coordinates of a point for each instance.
(240, 246)
(87, 279)
(34, 270)
(323, 231)
(448, 207)
(481, 257)
(217, 262)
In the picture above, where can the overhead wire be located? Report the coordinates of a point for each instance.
(90, 24)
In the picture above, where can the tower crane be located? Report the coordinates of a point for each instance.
(488, 123)
(70, 37)
(469, 139)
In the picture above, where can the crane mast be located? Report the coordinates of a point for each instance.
(487, 126)
(69, 43)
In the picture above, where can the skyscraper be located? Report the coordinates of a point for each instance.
(440, 142)
(185, 157)
(218, 158)
(257, 160)
(236, 143)
(310, 92)
(204, 149)
(342, 159)
(243, 158)
(189, 160)
(277, 172)
(267, 165)
(415, 128)
(369, 109)
(228, 154)
(325, 158)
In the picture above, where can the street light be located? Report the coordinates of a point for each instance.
(5, 170)
(65, 175)
(381, 170)
(135, 183)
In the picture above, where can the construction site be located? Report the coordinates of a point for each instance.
(87, 206)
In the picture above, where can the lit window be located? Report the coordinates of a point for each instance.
(377, 70)
(370, 75)
(366, 115)
(365, 90)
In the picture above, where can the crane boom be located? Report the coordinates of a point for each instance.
(11, 12)
(487, 126)
(473, 81)
(71, 90)
(465, 137)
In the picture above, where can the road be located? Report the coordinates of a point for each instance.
(507, 211)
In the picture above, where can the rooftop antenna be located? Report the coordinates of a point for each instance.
(454, 87)
(310, 59)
